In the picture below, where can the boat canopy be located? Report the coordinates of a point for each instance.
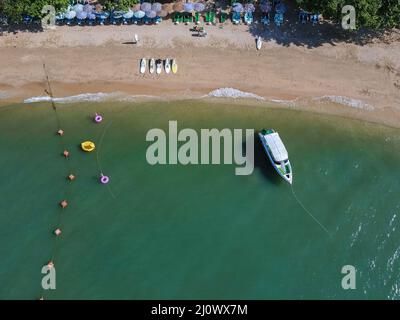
(276, 146)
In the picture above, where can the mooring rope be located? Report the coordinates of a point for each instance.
(309, 213)
(68, 192)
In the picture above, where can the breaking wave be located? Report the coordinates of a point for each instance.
(88, 97)
(354, 103)
(233, 93)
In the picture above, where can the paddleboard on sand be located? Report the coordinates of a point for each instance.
(152, 66)
(167, 66)
(259, 43)
(143, 65)
(159, 66)
(174, 66)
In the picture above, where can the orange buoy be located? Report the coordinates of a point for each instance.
(71, 177)
(57, 232)
(66, 153)
(64, 204)
(60, 132)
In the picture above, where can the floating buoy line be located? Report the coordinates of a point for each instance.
(87, 146)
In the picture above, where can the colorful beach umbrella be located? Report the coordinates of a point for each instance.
(88, 8)
(266, 7)
(70, 15)
(162, 13)
(199, 7)
(128, 15)
(280, 8)
(237, 7)
(136, 7)
(139, 14)
(151, 14)
(188, 7)
(78, 8)
(91, 16)
(145, 6)
(249, 7)
(81, 15)
(168, 7)
(178, 7)
(156, 6)
(99, 8)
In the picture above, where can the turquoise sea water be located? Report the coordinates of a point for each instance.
(174, 231)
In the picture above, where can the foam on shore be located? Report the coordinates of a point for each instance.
(91, 97)
(233, 93)
(354, 103)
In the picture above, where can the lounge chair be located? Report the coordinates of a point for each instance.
(236, 17)
(223, 17)
(187, 17)
(248, 17)
(197, 18)
(178, 18)
(209, 17)
(278, 19)
(265, 20)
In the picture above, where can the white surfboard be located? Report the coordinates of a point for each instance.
(152, 66)
(159, 67)
(143, 65)
(167, 66)
(259, 43)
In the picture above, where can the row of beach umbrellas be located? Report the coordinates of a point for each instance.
(157, 9)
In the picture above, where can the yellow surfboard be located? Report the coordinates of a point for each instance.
(174, 66)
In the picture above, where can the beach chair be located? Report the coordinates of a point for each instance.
(197, 18)
(265, 20)
(116, 18)
(101, 17)
(178, 18)
(223, 17)
(236, 17)
(248, 17)
(314, 19)
(147, 20)
(60, 19)
(209, 17)
(187, 17)
(157, 20)
(278, 19)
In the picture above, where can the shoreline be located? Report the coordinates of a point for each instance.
(348, 80)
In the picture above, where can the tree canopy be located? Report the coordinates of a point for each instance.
(369, 13)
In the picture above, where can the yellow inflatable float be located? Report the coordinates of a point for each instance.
(88, 146)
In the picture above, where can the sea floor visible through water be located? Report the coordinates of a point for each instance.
(195, 231)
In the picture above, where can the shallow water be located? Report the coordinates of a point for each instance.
(196, 231)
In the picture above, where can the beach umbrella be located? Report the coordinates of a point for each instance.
(151, 14)
(156, 7)
(249, 7)
(88, 8)
(70, 15)
(139, 14)
(99, 8)
(188, 7)
(162, 13)
(265, 7)
(178, 7)
(128, 15)
(167, 7)
(91, 16)
(280, 8)
(199, 7)
(136, 7)
(82, 15)
(145, 6)
(78, 8)
(237, 7)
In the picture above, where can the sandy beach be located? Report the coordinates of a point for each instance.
(303, 70)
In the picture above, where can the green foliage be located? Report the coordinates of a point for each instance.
(14, 9)
(122, 5)
(369, 13)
